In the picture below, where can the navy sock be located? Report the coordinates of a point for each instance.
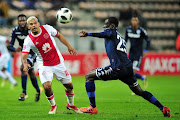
(90, 89)
(35, 84)
(24, 83)
(139, 76)
(149, 97)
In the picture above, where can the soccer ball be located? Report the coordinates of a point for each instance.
(64, 15)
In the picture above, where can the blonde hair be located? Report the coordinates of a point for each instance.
(30, 18)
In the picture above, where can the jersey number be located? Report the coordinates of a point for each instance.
(121, 45)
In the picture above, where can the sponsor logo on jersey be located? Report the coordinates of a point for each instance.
(46, 36)
(46, 47)
(131, 35)
(21, 37)
(138, 31)
(24, 47)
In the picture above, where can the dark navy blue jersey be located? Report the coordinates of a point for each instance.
(136, 38)
(18, 35)
(115, 47)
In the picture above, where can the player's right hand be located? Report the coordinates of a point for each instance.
(84, 34)
(19, 49)
(72, 51)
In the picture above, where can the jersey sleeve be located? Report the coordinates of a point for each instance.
(51, 30)
(126, 35)
(12, 41)
(26, 45)
(107, 33)
(146, 37)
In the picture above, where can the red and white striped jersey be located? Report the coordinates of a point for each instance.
(44, 46)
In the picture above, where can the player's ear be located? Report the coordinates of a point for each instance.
(112, 26)
(38, 24)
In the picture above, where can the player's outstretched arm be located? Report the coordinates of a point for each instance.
(66, 43)
(25, 64)
(105, 34)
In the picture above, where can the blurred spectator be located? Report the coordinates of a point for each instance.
(57, 3)
(178, 43)
(138, 13)
(78, 1)
(11, 5)
(30, 4)
(4, 9)
(126, 14)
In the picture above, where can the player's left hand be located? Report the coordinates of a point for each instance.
(26, 67)
(72, 51)
(144, 54)
(84, 34)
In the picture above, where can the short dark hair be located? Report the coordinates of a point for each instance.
(113, 20)
(21, 15)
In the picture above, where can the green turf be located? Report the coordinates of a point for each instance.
(114, 101)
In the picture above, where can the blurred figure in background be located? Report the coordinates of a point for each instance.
(136, 34)
(19, 33)
(4, 58)
(126, 14)
(4, 9)
(178, 43)
(30, 4)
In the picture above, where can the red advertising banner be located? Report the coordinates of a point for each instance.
(153, 64)
(161, 64)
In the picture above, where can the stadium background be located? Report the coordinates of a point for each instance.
(161, 19)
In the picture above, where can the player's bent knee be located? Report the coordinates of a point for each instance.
(68, 86)
(47, 88)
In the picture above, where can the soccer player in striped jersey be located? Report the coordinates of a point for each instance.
(49, 60)
(4, 58)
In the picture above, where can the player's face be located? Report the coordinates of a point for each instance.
(22, 22)
(33, 25)
(134, 21)
(106, 24)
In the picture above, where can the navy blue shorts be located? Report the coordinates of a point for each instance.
(31, 59)
(136, 62)
(125, 74)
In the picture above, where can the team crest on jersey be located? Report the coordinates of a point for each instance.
(46, 36)
(46, 47)
(129, 30)
(21, 37)
(138, 31)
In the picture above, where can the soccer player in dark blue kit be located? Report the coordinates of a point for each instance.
(136, 34)
(20, 32)
(120, 67)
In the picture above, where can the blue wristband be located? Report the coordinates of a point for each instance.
(145, 50)
(89, 34)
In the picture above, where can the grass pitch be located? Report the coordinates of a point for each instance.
(113, 98)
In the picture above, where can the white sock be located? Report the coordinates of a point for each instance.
(2, 74)
(51, 100)
(10, 78)
(70, 98)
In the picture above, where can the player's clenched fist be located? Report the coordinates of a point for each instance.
(83, 34)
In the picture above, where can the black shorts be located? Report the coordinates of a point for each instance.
(136, 62)
(125, 74)
(31, 59)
